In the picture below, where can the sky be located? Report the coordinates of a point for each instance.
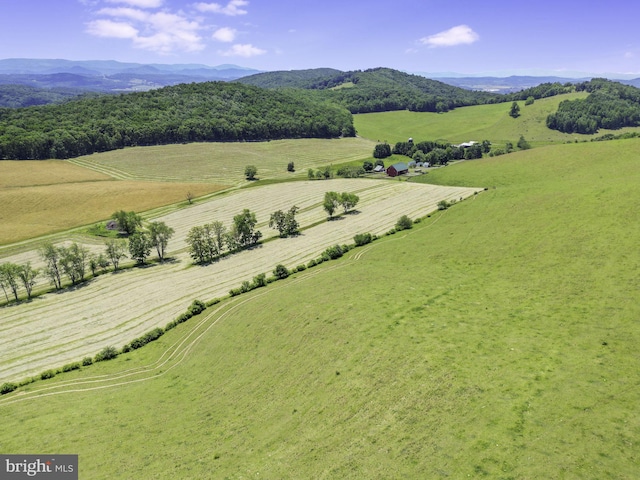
(472, 37)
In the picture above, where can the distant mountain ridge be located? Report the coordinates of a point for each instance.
(110, 67)
(110, 75)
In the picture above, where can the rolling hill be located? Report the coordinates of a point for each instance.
(375, 90)
(495, 339)
(211, 111)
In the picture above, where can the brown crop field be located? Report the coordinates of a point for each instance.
(224, 163)
(112, 309)
(43, 197)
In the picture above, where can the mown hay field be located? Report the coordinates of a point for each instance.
(43, 197)
(112, 309)
(480, 122)
(224, 163)
(497, 339)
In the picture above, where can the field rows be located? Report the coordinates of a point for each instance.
(112, 309)
(224, 163)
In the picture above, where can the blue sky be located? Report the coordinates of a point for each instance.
(470, 37)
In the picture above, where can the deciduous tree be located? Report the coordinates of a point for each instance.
(244, 231)
(331, 202)
(250, 172)
(73, 260)
(140, 246)
(348, 200)
(382, 150)
(159, 235)
(9, 277)
(515, 110)
(28, 275)
(128, 222)
(51, 256)
(116, 250)
(285, 223)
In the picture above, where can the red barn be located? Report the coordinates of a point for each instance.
(397, 169)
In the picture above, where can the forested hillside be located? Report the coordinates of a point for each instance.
(212, 111)
(377, 90)
(610, 105)
(18, 96)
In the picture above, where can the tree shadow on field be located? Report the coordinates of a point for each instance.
(353, 212)
(335, 219)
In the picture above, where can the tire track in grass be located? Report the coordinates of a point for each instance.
(178, 351)
(109, 310)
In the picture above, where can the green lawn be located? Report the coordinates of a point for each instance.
(496, 339)
(482, 122)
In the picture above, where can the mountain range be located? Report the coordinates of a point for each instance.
(110, 75)
(53, 80)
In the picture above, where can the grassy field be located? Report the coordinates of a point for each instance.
(43, 197)
(498, 339)
(224, 163)
(483, 122)
(59, 328)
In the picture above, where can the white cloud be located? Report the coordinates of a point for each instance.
(460, 35)
(140, 3)
(224, 34)
(123, 12)
(246, 50)
(629, 55)
(233, 8)
(109, 29)
(160, 32)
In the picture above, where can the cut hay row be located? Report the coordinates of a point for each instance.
(113, 309)
(29, 173)
(224, 163)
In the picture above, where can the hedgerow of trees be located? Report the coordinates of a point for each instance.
(210, 111)
(209, 242)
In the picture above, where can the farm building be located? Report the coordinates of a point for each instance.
(397, 169)
(112, 225)
(379, 168)
(468, 144)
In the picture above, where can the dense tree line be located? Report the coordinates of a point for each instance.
(19, 96)
(211, 111)
(377, 90)
(610, 105)
(543, 90)
(440, 153)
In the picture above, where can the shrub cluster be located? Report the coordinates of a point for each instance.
(107, 353)
(404, 223)
(143, 340)
(195, 308)
(362, 239)
(7, 387)
(258, 282)
(71, 366)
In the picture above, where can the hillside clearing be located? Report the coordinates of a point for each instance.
(480, 122)
(112, 309)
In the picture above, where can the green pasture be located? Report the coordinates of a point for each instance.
(496, 339)
(481, 122)
(224, 163)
